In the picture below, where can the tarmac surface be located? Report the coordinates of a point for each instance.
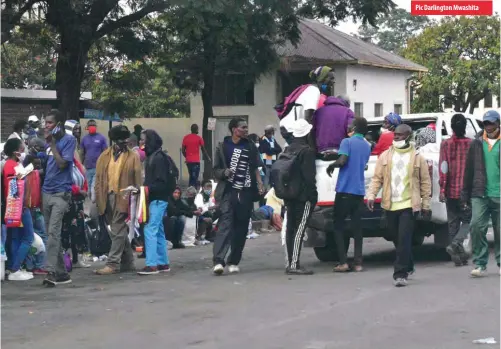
(259, 308)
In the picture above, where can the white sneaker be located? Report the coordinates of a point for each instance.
(233, 269)
(81, 264)
(20, 276)
(218, 269)
(400, 282)
(478, 272)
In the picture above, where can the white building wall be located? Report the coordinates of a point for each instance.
(377, 85)
(259, 115)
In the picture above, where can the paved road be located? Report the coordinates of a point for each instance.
(259, 308)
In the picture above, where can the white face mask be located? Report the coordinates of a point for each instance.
(399, 144)
(257, 145)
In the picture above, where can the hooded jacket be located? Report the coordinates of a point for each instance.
(308, 173)
(330, 123)
(157, 169)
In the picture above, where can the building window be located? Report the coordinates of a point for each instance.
(233, 89)
(289, 81)
(488, 101)
(397, 108)
(359, 110)
(378, 109)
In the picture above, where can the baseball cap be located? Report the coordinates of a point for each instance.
(491, 116)
(33, 118)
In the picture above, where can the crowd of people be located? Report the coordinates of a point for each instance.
(53, 171)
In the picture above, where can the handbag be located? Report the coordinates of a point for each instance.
(14, 203)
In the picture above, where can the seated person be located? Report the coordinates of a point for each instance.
(330, 124)
(391, 121)
(177, 211)
(209, 213)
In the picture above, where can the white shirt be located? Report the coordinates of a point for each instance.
(308, 99)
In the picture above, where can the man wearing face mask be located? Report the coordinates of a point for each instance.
(354, 153)
(403, 174)
(92, 146)
(33, 126)
(481, 187)
(391, 121)
(117, 168)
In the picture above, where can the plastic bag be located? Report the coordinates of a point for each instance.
(467, 245)
(37, 246)
(284, 228)
(68, 262)
(190, 231)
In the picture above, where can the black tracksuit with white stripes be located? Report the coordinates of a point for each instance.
(299, 210)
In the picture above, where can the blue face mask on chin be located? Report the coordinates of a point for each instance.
(41, 155)
(324, 88)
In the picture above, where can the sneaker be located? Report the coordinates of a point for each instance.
(218, 269)
(81, 264)
(400, 282)
(148, 271)
(233, 269)
(454, 255)
(163, 268)
(478, 272)
(107, 270)
(52, 280)
(20, 276)
(40, 271)
(298, 271)
(411, 273)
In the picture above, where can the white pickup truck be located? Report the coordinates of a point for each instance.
(319, 234)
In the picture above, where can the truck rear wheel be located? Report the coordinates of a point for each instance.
(328, 253)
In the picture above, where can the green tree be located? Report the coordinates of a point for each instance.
(462, 56)
(141, 89)
(393, 30)
(29, 58)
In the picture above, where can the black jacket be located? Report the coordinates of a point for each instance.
(177, 208)
(475, 178)
(220, 165)
(156, 176)
(308, 173)
(264, 147)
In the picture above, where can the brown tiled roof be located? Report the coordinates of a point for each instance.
(321, 43)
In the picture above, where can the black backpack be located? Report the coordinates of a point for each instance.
(173, 170)
(285, 175)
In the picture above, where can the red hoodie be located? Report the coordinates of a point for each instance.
(384, 143)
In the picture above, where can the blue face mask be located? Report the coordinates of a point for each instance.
(208, 192)
(324, 88)
(41, 155)
(56, 130)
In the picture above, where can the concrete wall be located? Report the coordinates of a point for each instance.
(377, 85)
(172, 131)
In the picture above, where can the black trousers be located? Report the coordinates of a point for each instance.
(348, 205)
(459, 220)
(233, 225)
(401, 225)
(298, 213)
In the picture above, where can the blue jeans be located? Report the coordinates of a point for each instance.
(20, 242)
(154, 235)
(38, 261)
(91, 174)
(194, 172)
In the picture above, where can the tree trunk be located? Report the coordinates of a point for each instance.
(206, 134)
(69, 75)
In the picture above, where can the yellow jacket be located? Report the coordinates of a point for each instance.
(420, 182)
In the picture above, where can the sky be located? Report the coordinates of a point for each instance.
(349, 27)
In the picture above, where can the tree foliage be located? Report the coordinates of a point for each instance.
(393, 30)
(462, 55)
(141, 89)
